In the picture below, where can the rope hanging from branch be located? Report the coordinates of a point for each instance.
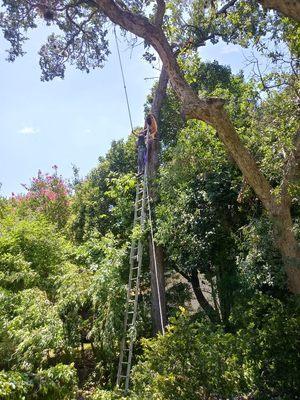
(123, 79)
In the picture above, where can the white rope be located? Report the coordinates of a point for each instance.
(123, 79)
(152, 242)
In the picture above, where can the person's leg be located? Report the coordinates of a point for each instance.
(145, 157)
(140, 161)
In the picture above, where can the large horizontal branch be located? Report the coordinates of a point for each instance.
(289, 8)
(209, 110)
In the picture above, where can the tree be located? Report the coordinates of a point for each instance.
(286, 7)
(48, 194)
(158, 295)
(100, 200)
(85, 45)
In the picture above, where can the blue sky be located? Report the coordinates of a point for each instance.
(72, 121)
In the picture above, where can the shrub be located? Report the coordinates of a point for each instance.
(14, 386)
(58, 382)
(260, 358)
(99, 394)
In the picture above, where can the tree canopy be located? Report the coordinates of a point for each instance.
(225, 197)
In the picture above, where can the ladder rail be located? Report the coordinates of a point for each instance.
(140, 253)
(133, 245)
(133, 286)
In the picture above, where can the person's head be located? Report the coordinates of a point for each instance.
(149, 119)
(150, 122)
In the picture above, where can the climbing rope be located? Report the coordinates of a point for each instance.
(123, 79)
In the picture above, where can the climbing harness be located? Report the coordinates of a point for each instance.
(142, 204)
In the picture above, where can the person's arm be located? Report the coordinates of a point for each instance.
(139, 133)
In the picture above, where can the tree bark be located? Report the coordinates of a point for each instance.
(289, 8)
(153, 165)
(288, 247)
(211, 111)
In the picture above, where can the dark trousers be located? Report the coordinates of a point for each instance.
(142, 153)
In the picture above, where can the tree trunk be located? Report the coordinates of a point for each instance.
(289, 8)
(158, 310)
(158, 297)
(288, 247)
(204, 304)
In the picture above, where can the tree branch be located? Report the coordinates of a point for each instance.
(209, 110)
(160, 93)
(160, 12)
(204, 304)
(225, 7)
(289, 8)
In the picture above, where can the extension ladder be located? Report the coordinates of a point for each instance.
(136, 253)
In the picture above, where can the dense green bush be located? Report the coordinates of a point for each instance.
(99, 394)
(32, 252)
(58, 382)
(259, 358)
(14, 386)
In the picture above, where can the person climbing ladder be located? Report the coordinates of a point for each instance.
(143, 141)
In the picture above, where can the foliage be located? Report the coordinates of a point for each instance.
(32, 253)
(58, 382)
(259, 261)
(47, 194)
(199, 359)
(99, 394)
(14, 385)
(33, 330)
(198, 214)
(62, 300)
(103, 201)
